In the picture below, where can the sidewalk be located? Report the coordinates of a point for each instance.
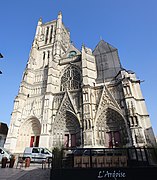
(34, 172)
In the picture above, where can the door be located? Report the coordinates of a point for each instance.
(66, 140)
(116, 139)
(37, 141)
(73, 140)
(110, 140)
(35, 154)
(45, 153)
(32, 141)
(113, 139)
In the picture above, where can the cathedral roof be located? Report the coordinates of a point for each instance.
(107, 61)
(103, 47)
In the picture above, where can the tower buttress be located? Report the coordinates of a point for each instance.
(38, 29)
(57, 44)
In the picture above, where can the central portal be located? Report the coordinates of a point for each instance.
(72, 131)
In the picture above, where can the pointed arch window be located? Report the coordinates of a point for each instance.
(71, 79)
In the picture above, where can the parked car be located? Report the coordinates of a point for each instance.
(5, 153)
(78, 152)
(37, 154)
(89, 152)
(75, 152)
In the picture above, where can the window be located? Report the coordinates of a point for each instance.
(71, 79)
(72, 53)
(51, 34)
(47, 32)
(44, 55)
(136, 121)
(35, 150)
(44, 151)
(48, 54)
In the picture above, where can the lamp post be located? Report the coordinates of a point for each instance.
(1, 56)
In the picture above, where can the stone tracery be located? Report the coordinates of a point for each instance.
(71, 79)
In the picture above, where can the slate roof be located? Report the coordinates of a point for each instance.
(103, 47)
(107, 61)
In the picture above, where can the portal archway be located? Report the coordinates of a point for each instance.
(66, 131)
(29, 134)
(111, 130)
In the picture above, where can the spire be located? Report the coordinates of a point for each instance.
(83, 47)
(40, 22)
(59, 20)
(60, 15)
(38, 30)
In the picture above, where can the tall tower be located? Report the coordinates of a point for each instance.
(72, 98)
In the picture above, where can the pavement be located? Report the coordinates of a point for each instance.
(33, 172)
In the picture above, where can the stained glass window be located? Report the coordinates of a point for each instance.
(71, 79)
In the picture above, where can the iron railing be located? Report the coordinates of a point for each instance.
(104, 157)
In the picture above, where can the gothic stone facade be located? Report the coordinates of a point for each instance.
(76, 98)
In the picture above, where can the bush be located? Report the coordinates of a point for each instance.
(58, 154)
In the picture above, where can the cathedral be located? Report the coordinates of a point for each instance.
(71, 97)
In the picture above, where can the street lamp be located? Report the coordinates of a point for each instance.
(1, 56)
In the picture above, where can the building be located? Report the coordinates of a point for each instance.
(76, 98)
(3, 133)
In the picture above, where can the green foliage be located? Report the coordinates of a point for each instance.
(57, 161)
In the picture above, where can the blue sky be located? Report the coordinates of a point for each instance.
(130, 26)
